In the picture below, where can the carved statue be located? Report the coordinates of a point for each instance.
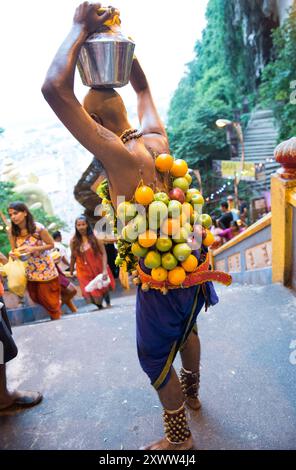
(27, 186)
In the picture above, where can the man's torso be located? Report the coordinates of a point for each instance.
(125, 181)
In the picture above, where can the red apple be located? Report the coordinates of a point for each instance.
(177, 194)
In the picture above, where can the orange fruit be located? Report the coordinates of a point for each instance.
(159, 274)
(209, 240)
(170, 227)
(190, 264)
(147, 239)
(177, 276)
(144, 195)
(164, 162)
(179, 168)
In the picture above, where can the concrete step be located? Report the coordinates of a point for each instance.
(262, 122)
(261, 148)
(260, 126)
(258, 155)
(261, 137)
(262, 114)
(260, 133)
(268, 143)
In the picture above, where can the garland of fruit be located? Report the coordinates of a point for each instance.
(161, 230)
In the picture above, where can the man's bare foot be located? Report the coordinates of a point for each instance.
(20, 399)
(164, 444)
(193, 403)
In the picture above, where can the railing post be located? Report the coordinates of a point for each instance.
(282, 183)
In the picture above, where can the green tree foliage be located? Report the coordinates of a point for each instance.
(215, 84)
(7, 195)
(279, 75)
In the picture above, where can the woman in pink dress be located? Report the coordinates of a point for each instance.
(89, 255)
(232, 231)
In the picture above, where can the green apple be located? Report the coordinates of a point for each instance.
(152, 260)
(188, 227)
(164, 244)
(194, 218)
(162, 197)
(181, 183)
(181, 236)
(157, 213)
(128, 234)
(139, 224)
(205, 220)
(138, 250)
(190, 193)
(126, 211)
(168, 261)
(181, 251)
(197, 200)
(193, 191)
(188, 177)
(174, 209)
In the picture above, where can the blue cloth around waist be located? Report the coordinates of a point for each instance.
(163, 324)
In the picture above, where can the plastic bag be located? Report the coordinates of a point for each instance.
(98, 283)
(16, 275)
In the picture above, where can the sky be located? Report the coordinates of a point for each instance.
(165, 32)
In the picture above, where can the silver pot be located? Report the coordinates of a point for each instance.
(105, 60)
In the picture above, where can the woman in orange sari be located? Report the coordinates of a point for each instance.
(31, 238)
(89, 255)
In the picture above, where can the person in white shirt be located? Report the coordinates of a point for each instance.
(64, 263)
(233, 210)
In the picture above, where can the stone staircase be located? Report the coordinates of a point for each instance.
(260, 139)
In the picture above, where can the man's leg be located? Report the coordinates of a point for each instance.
(190, 372)
(107, 299)
(3, 384)
(171, 395)
(155, 310)
(190, 353)
(178, 436)
(9, 350)
(21, 399)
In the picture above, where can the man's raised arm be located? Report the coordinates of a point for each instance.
(150, 120)
(58, 89)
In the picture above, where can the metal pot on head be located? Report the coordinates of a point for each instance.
(106, 58)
